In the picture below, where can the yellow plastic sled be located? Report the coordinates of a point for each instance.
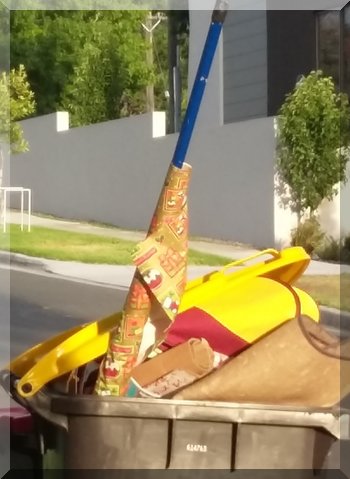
(247, 293)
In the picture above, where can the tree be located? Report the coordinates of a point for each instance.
(48, 46)
(110, 72)
(89, 62)
(4, 38)
(178, 27)
(17, 102)
(93, 62)
(313, 140)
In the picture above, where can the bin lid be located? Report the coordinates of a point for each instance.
(291, 266)
(80, 345)
(286, 266)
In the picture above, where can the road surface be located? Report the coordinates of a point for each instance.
(42, 305)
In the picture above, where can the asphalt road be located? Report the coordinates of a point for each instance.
(42, 305)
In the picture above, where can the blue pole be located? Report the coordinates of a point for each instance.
(199, 84)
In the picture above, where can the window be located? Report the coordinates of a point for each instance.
(333, 46)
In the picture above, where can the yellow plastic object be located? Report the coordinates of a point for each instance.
(76, 349)
(30, 358)
(286, 266)
(73, 348)
(256, 307)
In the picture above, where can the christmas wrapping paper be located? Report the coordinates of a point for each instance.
(160, 277)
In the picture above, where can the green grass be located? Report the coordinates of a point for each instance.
(332, 291)
(86, 248)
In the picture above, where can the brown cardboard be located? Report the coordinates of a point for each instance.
(298, 364)
(195, 357)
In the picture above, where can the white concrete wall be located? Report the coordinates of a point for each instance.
(334, 217)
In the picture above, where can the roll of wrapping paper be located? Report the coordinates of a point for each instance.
(160, 276)
(175, 368)
(155, 252)
(298, 364)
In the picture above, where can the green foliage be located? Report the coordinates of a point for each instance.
(329, 249)
(110, 71)
(178, 27)
(90, 62)
(332, 249)
(308, 234)
(17, 102)
(345, 249)
(80, 58)
(161, 54)
(4, 38)
(184, 48)
(160, 73)
(313, 134)
(47, 45)
(347, 243)
(93, 62)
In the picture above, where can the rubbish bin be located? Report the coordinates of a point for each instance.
(109, 433)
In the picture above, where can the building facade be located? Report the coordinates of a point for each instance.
(264, 52)
(261, 56)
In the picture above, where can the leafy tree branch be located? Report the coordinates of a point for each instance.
(313, 143)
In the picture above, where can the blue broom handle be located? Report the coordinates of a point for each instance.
(199, 84)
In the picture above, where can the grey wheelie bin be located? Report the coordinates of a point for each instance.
(81, 434)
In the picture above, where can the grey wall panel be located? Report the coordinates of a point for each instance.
(211, 111)
(248, 76)
(113, 172)
(246, 93)
(246, 110)
(245, 63)
(254, 45)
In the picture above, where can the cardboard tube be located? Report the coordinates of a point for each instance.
(194, 356)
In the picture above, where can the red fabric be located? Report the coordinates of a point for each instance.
(195, 323)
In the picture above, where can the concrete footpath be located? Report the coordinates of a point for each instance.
(121, 275)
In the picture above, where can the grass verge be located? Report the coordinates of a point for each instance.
(332, 291)
(86, 248)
